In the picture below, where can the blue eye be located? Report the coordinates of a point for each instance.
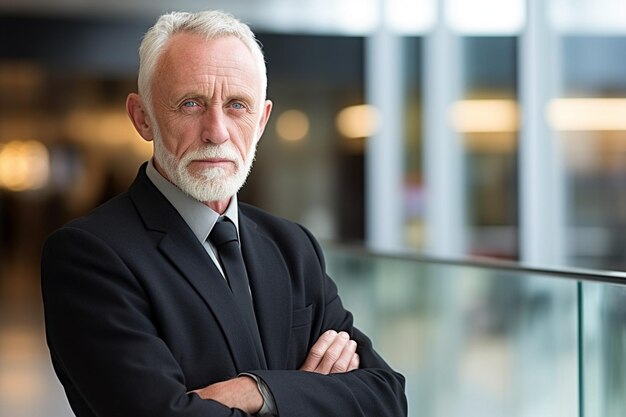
(190, 103)
(238, 106)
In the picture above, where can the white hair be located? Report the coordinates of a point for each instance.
(210, 24)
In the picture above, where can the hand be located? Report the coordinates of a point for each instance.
(332, 353)
(241, 392)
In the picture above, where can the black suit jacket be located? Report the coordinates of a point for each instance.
(137, 315)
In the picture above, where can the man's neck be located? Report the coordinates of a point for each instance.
(218, 206)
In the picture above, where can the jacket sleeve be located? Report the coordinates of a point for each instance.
(104, 345)
(373, 390)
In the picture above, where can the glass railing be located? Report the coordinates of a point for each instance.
(474, 339)
(491, 339)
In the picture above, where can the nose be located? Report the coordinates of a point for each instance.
(214, 126)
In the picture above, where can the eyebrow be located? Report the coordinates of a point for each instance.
(242, 96)
(247, 98)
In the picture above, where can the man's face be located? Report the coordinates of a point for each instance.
(208, 112)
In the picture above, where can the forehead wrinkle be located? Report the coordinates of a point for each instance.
(213, 87)
(210, 73)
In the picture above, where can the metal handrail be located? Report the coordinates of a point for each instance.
(579, 274)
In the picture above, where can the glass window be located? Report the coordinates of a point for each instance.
(588, 118)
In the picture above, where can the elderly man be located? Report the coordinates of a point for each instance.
(174, 299)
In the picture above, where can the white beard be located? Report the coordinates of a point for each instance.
(211, 184)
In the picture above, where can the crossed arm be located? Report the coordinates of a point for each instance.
(332, 353)
(85, 342)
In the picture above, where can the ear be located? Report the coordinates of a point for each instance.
(139, 116)
(267, 110)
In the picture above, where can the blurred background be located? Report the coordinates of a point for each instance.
(444, 128)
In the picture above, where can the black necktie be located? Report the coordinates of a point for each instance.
(224, 237)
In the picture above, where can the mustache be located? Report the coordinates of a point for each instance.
(214, 151)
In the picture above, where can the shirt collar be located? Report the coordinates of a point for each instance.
(196, 214)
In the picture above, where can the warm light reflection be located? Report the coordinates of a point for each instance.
(292, 125)
(357, 121)
(22, 125)
(475, 116)
(587, 114)
(20, 80)
(17, 385)
(24, 165)
(21, 380)
(492, 143)
(101, 127)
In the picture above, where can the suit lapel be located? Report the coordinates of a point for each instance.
(180, 246)
(271, 291)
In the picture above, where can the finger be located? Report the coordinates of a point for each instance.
(333, 353)
(354, 363)
(318, 350)
(343, 362)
